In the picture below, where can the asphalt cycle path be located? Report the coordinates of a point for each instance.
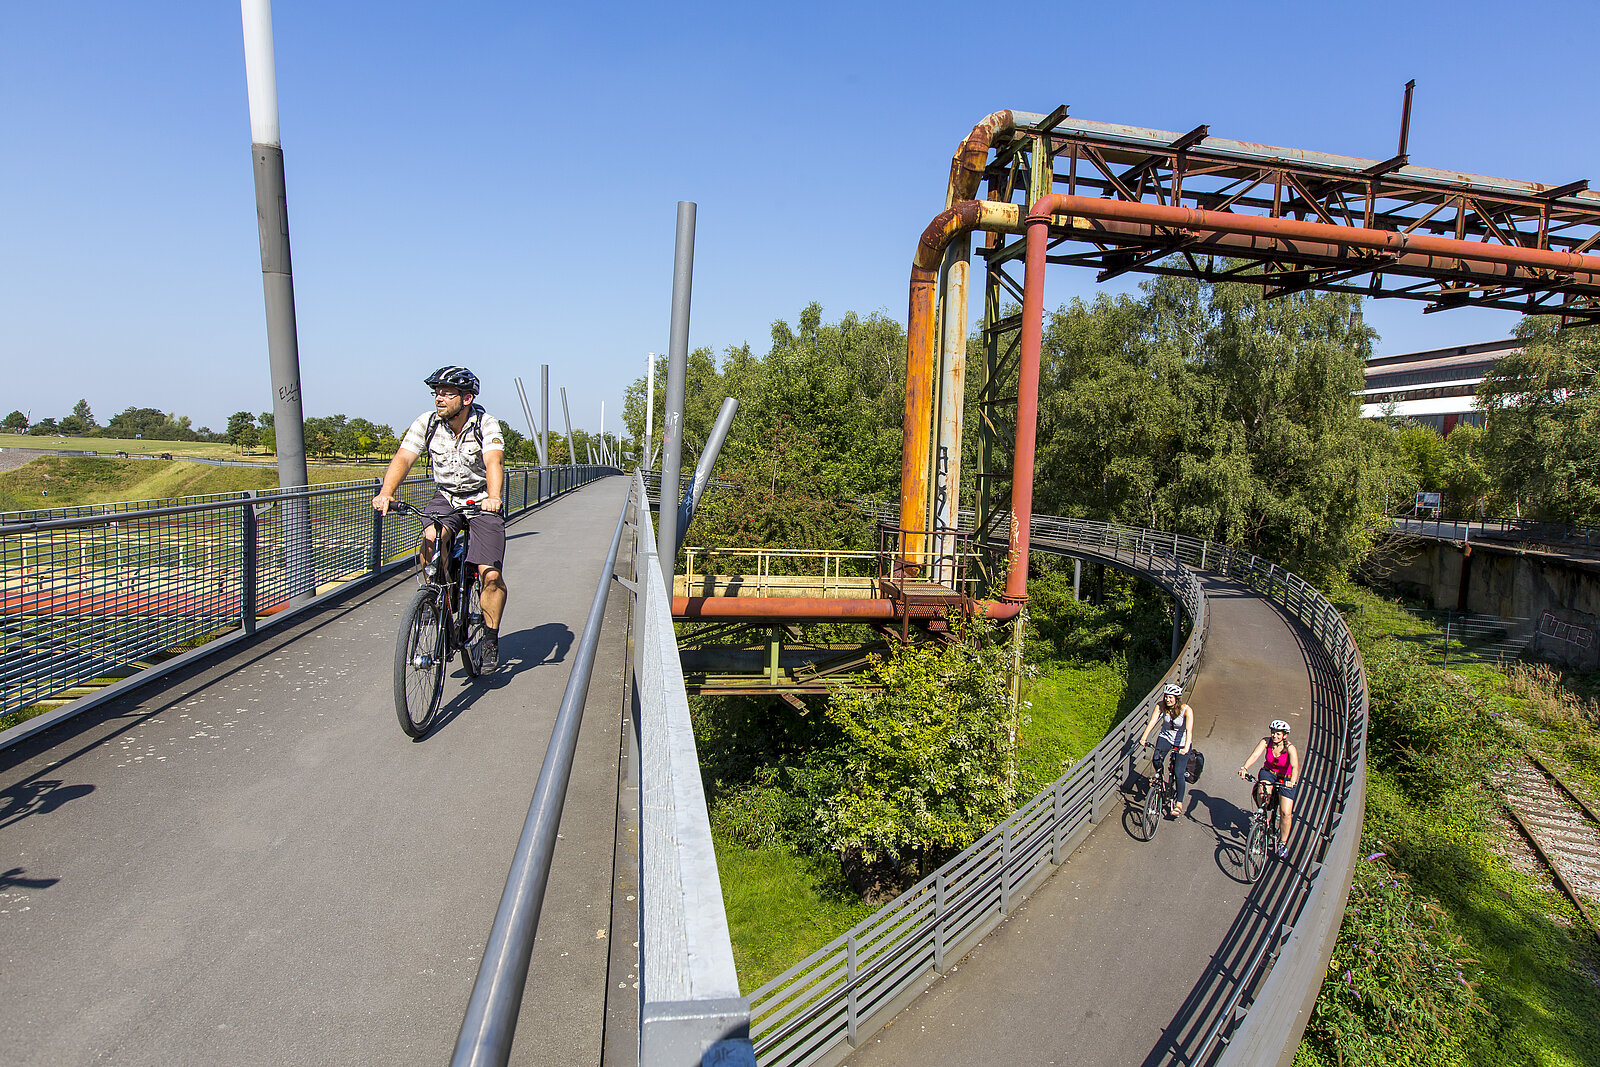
(250, 863)
(1118, 958)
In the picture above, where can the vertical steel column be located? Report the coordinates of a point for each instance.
(247, 580)
(645, 458)
(277, 281)
(544, 414)
(566, 417)
(375, 555)
(677, 368)
(945, 502)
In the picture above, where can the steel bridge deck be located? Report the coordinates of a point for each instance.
(250, 864)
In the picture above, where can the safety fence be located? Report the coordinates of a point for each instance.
(90, 594)
(1517, 530)
(819, 1010)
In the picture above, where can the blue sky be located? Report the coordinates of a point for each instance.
(496, 183)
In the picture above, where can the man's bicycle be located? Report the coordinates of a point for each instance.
(1159, 795)
(443, 618)
(1261, 841)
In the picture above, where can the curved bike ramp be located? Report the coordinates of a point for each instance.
(1118, 957)
(249, 863)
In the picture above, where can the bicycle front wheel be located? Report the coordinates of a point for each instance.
(472, 630)
(419, 657)
(1150, 817)
(1255, 849)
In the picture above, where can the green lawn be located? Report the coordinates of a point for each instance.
(133, 446)
(72, 481)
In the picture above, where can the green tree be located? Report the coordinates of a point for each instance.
(16, 422)
(1465, 471)
(43, 427)
(1543, 430)
(241, 423)
(1213, 411)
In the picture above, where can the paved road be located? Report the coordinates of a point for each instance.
(251, 864)
(1113, 960)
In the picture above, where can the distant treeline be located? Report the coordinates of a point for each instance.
(325, 436)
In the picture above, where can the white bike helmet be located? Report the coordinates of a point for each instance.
(1278, 724)
(1172, 690)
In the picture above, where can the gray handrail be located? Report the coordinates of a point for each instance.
(490, 1023)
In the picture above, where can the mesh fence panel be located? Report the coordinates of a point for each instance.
(89, 594)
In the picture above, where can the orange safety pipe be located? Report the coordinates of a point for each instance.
(811, 609)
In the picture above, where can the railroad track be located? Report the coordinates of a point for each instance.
(1563, 829)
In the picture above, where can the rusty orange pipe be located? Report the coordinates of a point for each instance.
(1254, 232)
(972, 157)
(921, 359)
(810, 609)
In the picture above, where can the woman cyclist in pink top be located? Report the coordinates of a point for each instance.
(1280, 771)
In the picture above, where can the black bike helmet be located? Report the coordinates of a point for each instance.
(454, 377)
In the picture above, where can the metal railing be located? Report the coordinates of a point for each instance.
(90, 594)
(1520, 530)
(816, 1012)
(490, 1022)
(690, 1009)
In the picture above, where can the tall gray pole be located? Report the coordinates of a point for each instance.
(649, 408)
(533, 427)
(277, 280)
(572, 448)
(677, 368)
(702, 470)
(544, 413)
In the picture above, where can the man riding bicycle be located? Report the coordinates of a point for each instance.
(467, 448)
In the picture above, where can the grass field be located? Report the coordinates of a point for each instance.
(72, 481)
(135, 447)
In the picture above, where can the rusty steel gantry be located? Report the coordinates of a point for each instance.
(1156, 202)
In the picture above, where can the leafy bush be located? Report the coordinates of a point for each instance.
(1397, 989)
(926, 761)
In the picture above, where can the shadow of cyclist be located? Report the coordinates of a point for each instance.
(519, 651)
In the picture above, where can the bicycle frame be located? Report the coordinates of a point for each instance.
(452, 577)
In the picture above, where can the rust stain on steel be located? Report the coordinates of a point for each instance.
(810, 609)
(972, 157)
(1262, 234)
(921, 359)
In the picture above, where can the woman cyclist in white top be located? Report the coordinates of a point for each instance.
(1176, 720)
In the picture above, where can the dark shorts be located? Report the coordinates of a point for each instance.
(486, 543)
(1266, 777)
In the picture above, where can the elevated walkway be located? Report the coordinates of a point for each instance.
(1125, 953)
(251, 864)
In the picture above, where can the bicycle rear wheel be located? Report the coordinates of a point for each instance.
(1255, 849)
(1150, 816)
(473, 629)
(419, 657)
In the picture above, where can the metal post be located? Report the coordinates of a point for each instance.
(702, 470)
(1177, 628)
(677, 367)
(544, 414)
(375, 557)
(649, 409)
(247, 581)
(1077, 578)
(533, 427)
(572, 449)
(277, 281)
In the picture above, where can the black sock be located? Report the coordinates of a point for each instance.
(492, 631)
